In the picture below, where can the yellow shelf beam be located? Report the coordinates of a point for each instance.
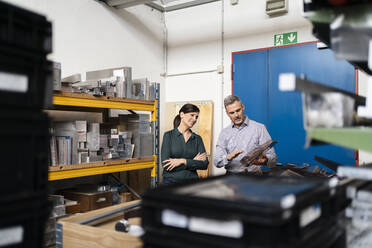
(91, 171)
(88, 101)
(101, 103)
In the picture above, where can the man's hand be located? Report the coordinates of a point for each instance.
(201, 157)
(262, 160)
(233, 154)
(172, 163)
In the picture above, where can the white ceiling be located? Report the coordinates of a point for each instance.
(161, 3)
(203, 23)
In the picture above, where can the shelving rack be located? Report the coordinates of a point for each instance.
(75, 100)
(357, 20)
(352, 137)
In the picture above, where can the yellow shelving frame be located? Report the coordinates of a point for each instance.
(98, 168)
(103, 167)
(89, 101)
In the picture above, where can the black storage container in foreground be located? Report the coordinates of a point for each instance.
(26, 87)
(22, 222)
(240, 211)
(24, 30)
(334, 237)
(24, 151)
(26, 77)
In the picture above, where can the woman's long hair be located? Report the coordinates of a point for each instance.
(187, 108)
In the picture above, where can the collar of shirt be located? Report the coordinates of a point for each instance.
(244, 124)
(178, 133)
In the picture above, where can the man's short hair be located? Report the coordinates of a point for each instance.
(230, 100)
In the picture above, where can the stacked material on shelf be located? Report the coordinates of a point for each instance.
(26, 84)
(58, 210)
(244, 211)
(116, 145)
(141, 89)
(69, 142)
(108, 82)
(142, 133)
(79, 141)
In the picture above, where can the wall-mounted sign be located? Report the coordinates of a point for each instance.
(285, 39)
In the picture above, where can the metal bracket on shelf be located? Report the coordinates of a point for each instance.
(127, 186)
(132, 190)
(289, 82)
(101, 216)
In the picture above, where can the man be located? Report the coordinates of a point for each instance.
(239, 138)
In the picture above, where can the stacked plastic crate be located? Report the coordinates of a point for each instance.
(359, 213)
(245, 211)
(26, 82)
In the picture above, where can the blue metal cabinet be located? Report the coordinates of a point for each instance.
(250, 83)
(255, 80)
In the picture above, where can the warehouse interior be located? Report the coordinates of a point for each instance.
(107, 79)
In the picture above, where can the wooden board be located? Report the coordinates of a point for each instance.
(203, 127)
(80, 217)
(100, 235)
(80, 236)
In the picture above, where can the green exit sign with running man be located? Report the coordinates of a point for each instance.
(285, 39)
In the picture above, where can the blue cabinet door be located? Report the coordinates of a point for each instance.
(250, 83)
(282, 111)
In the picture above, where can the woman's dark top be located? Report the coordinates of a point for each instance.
(174, 146)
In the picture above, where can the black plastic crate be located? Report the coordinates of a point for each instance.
(24, 29)
(285, 209)
(23, 222)
(332, 237)
(26, 79)
(24, 146)
(339, 200)
(316, 5)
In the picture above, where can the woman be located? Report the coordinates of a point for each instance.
(182, 150)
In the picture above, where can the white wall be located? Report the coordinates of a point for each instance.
(202, 23)
(88, 35)
(195, 44)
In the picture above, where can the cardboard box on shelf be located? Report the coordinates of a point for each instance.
(90, 200)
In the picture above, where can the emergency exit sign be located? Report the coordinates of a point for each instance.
(285, 39)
